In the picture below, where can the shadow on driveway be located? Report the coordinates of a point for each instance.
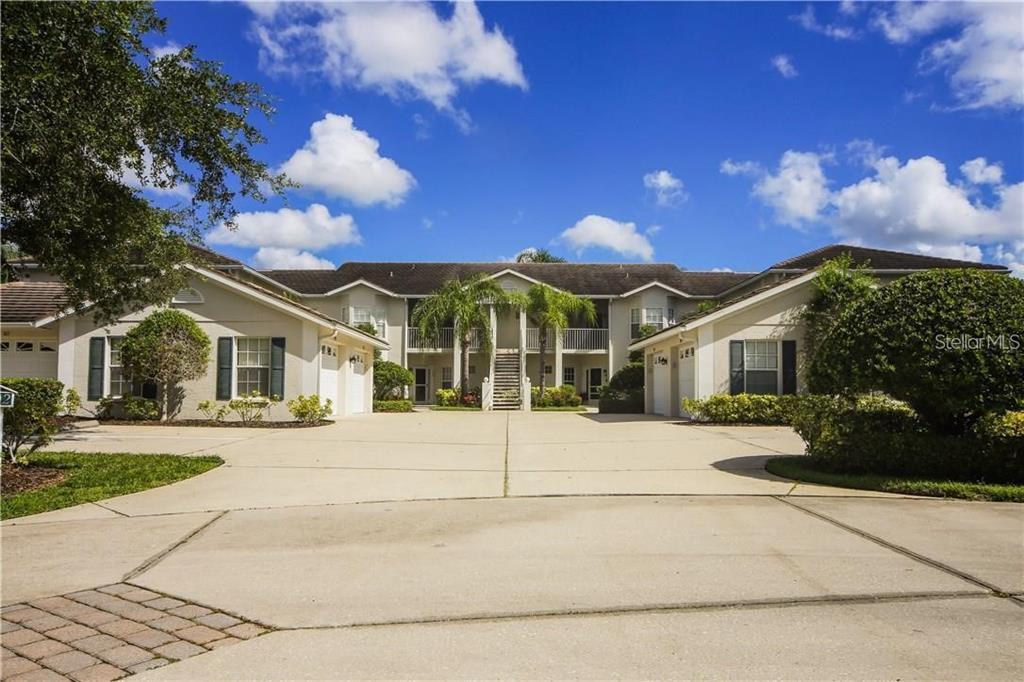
(751, 466)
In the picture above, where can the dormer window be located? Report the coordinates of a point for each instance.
(187, 295)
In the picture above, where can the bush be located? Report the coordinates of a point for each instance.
(629, 378)
(392, 406)
(446, 397)
(250, 408)
(878, 435)
(309, 409)
(744, 408)
(140, 409)
(212, 411)
(32, 420)
(555, 396)
(930, 339)
(72, 402)
(621, 402)
(470, 398)
(389, 378)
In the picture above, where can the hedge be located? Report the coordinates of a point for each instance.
(620, 402)
(878, 435)
(555, 396)
(32, 420)
(743, 408)
(392, 406)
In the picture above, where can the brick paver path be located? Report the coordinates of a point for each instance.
(109, 633)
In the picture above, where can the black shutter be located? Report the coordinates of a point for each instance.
(789, 367)
(735, 367)
(97, 353)
(277, 366)
(224, 356)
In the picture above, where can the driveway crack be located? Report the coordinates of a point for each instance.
(164, 553)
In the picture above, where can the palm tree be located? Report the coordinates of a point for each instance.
(552, 309)
(463, 305)
(538, 256)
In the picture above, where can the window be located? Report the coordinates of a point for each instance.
(46, 347)
(120, 383)
(761, 366)
(361, 316)
(569, 376)
(671, 316)
(634, 323)
(654, 318)
(380, 321)
(253, 355)
(5, 346)
(547, 369)
(24, 346)
(446, 377)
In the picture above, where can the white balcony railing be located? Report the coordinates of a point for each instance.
(573, 339)
(444, 341)
(585, 339)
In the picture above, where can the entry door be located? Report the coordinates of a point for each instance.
(357, 385)
(329, 376)
(595, 377)
(421, 385)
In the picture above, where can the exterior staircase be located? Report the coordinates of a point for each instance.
(506, 381)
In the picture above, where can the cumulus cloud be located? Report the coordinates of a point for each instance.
(722, 270)
(783, 63)
(397, 48)
(980, 172)
(166, 50)
(287, 228)
(1012, 256)
(668, 189)
(343, 161)
(797, 191)
(596, 231)
(154, 181)
(809, 20)
(274, 258)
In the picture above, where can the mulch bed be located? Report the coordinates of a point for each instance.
(215, 424)
(19, 478)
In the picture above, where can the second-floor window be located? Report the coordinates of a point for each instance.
(650, 317)
(375, 318)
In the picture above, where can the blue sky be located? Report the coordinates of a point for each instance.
(708, 135)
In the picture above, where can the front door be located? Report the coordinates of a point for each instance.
(595, 377)
(421, 384)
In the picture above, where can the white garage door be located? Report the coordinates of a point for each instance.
(662, 392)
(329, 376)
(357, 384)
(687, 372)
(25, 359)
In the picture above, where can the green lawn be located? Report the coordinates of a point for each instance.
(453, 408)
(97, 476)
(799, 468)
(563, 408)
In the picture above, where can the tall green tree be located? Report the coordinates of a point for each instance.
(538, 256)
(464, 305)
(552, 310)
(90, 114)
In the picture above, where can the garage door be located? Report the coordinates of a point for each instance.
(662, 392)
(357, 384)
(687, 369)
(329, 376)
(24, 359)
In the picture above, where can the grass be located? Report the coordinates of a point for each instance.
(800, 468)
(97, 476)
(453, 408)
(563, 408)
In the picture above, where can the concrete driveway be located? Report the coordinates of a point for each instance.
(462, 545)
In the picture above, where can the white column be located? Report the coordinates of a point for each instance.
(705, 361)
(611, 340)
(66, 352)
(522, 348)
(494, 343)
(405, 345)
(456, 360)
(557, 369)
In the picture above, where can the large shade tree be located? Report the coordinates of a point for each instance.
(90, 114)
(464, 305)
(552, 310)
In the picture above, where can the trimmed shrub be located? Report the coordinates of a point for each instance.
(140, 409)
(250, 408)
(629, 378)
(72, 402)
(446, 397)
(948, 342)
(878, 435)
(621, 402)
(32, 420)
(389, 378)
(392, 406)
(744, 408)
(555, 396)
(212, 411)
(309, 410)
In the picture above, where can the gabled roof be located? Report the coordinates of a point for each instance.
(586, 279)
(29, 301)
(876, 259)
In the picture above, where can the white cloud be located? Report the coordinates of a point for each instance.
(165, 50)
(652, 230)
(668, 189)
(797, 191)
(148, 181)
(849, 7)
(428, 223)
(596, 231)
(980, 172)
(984, 60)
(343, 161)
(809, 21)
(275, 258)
(722, 270)
(867, 152)
(398, 48)
(783, 63)
(1012, 256)
(961, 251)
(288, 228)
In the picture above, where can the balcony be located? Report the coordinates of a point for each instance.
(573, 339)
(445, 341)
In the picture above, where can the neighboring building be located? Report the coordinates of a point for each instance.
(752, 341)
(310, 315)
